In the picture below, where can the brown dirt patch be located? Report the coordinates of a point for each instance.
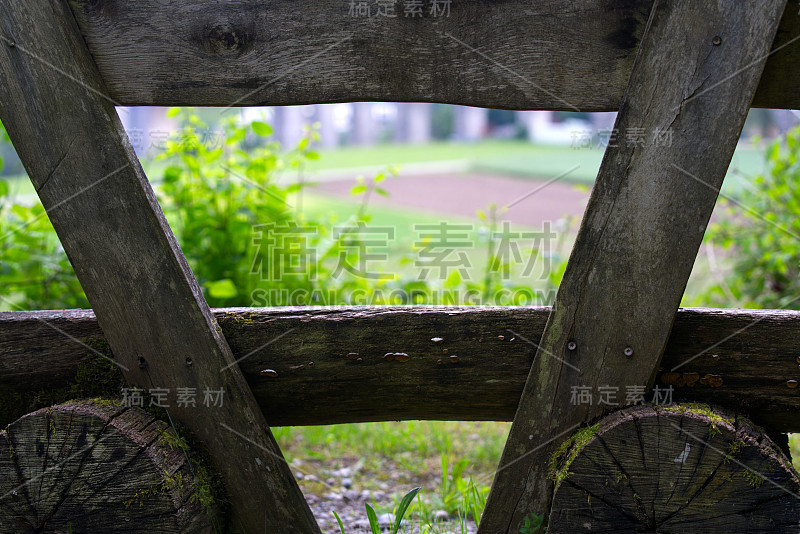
(530, 202)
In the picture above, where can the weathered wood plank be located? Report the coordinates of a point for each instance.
(742, 359)
(695, 74)
(69, 137)
(95, 467)
(696, 471)
(554, 54)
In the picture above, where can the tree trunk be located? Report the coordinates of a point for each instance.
(682, 468)
(98, 467)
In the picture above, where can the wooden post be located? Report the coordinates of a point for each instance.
(691, 86)
(67, 133)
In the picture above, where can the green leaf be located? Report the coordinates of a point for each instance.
(403, 507)
(3, 188)
(293, 188)
(341, 526)
(373, 520)
(357, 190)
(453, 280)
(221, 289)
(172, 174)
(173, 112)
(312, 155)
(261, 128)
(382, 192)
(237, 136)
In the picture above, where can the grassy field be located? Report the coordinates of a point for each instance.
(518, 158)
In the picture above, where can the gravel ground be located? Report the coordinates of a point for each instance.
(346, 490)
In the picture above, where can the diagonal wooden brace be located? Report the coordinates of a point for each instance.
(67, 133)
(687, 98)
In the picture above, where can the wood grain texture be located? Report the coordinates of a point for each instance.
(66, 131)
(695, 74)
(95, 467)
(674, 470)
(740, 359)
(554, 54)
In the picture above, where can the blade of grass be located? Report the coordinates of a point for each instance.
(401, 509)
(373, 520)
(341, 526)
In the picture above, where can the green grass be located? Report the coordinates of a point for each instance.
(338, 210)
(452, 461)
(518, 158)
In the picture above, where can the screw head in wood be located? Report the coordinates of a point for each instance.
(717, 40)
(628, 352)
(572, 345)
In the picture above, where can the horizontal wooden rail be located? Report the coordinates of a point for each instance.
(552, 54)
(741, 359)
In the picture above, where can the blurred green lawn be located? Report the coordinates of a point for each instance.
(517, 158)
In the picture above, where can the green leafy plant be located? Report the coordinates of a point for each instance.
(532, 523)
(760, 232)
(372, 517)
(34, 269)
(374, 526)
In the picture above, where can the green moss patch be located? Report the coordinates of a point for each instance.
(567, 452)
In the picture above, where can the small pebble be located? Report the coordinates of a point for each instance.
(385, 520)
(440, 516)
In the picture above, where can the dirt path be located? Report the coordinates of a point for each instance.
(529, 202)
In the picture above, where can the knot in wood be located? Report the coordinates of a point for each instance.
(225, 40)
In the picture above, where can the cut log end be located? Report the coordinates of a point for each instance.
(685, 468)
(97, 467)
